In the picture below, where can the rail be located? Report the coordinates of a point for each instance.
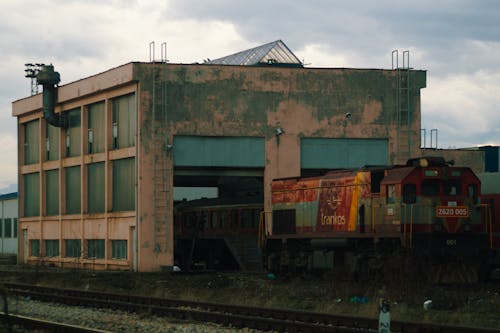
(236, 316)
(40, 325)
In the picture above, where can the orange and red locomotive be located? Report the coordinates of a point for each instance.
(427, 206)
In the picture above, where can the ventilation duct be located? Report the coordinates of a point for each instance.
(49, 79)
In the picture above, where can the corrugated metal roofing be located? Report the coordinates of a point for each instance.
(8, 196)
(274, 53)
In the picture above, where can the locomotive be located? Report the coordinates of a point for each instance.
(218, 233)
(365, 217)
(426, 214)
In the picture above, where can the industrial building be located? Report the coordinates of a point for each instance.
(8, 227)
(99, 158)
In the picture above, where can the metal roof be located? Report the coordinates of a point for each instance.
(274, 53)
(8, 196)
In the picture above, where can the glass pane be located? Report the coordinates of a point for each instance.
(35, 247)
(31, 142)
(124, 120)
(96, 128)
(15, 227)
(52, 192)
(73, 134)
(52, 248)
(31, 194)
(73, 248)
(119, 249)
(95, 195)
(95, 248)
(73, 188)
(124, 184)
(51, 142)
(8, 228)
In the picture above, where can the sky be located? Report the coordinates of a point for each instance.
(457, 42)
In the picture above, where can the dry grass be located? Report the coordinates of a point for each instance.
(472, 305)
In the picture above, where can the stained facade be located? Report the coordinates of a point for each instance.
(99, 193)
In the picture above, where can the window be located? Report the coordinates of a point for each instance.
(8, 228)
(51, 142)
(246, 219)
(391, 194)
(51, 248)
(52, 192)
(95, 248)
(95, 189)
(73, 188)
(31, 142)
(409, 194)
(430, 187)
(73, 133)
(124, 122)
(73, 248)
(15, 228)
(472, 192)
(453, 187)
(124, 184)
(96, 128)
(35, 247)
(31, 191)
(119, 249)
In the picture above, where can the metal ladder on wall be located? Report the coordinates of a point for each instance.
(402, 106)
(163, 227)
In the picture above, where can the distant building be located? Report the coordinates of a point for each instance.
(97, 170)
(8, 224)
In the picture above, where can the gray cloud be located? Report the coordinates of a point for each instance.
(457, 42)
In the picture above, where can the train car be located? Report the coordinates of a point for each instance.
(490, 195)
(218, 233)
(364, 217)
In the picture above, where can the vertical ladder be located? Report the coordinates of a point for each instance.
(161, 172)
(402, 104)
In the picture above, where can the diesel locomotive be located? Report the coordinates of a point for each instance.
(369, 216)
(426, 215)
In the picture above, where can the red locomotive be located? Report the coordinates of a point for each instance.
(359, 217)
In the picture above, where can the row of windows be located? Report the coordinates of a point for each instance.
(430, 188)
(223, 219)
(8, 228)
(123, 131)
(95, 248)
(123, 189)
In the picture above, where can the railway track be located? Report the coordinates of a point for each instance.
(236, 316)
(16, 323)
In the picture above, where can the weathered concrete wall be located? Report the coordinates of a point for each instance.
(253, 101)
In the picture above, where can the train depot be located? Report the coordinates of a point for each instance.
(100, 159)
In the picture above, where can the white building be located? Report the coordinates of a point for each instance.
(8, 224)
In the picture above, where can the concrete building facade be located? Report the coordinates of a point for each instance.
(98, 193)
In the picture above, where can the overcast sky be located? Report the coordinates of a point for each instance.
(457, 42)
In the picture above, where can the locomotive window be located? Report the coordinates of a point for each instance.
(472, 192)
(430, 187)
(246, 219)
(453, 188)
(256, 218)
(391, 194)
(409, 193)
(431, 173)
(214, 220)
(376, 178)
